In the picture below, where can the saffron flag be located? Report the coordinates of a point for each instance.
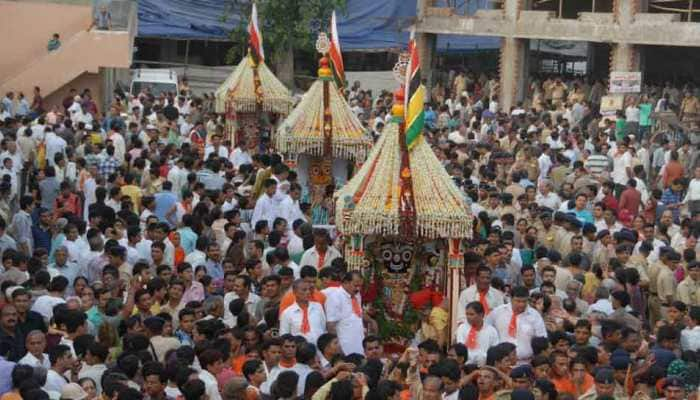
(256, 39)
(336, 57)
(414, 96)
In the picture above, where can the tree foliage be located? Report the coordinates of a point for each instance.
(285, 24)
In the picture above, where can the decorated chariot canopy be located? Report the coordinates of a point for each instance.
(370, 203)
(241, 93)
(323, 124)
(402, 189)
(252, 87)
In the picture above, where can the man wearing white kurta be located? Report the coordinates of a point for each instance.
(267, 207)
(303, 318)
(477, 336)
(344, 313)
(321, 255)
(481, 291)
(518, 323)
(241, 290)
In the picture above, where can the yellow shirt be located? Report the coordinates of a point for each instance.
(134, 193)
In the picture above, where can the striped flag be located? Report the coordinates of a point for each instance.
(336, 56)
(414, 96)
(256, 39)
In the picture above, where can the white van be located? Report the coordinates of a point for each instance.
(157, 80)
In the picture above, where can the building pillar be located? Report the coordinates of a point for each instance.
(427, 48)
(427, 44)
(625, 57)
(514, 60)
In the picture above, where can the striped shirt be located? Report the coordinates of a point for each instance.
(597, 164)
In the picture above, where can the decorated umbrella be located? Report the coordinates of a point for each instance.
(322, 136)
(402, 191)
(251, 89)
(323, 124)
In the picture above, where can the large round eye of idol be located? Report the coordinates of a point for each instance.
(386, 255)
(315, 170)
(406, 255)
(327, 168)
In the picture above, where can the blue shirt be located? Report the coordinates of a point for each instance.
(6, 368)
(584, 216)
(42, 238)
(9, 106)
(164, 203)
(188, 239)
(70, 271)
(214, 270)
(669, 197)
(23, 108)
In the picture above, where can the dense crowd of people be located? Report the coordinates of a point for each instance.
(144, 257)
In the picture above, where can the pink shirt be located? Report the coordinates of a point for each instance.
(194, 293)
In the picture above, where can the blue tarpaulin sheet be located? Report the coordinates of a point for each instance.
(363, 25)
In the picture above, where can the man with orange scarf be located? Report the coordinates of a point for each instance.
(518, 323)
(303, 318)
(482, 292)
(474, 334)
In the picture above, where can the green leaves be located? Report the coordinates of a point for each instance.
(284, 24)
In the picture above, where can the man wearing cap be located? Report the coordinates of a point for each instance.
(548, 233)
(518, 323)
(620, 361)
(666, 282)
(674, 388)
(572, 228)
(604, 385)
(688, 291)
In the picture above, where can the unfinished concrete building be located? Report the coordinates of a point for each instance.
(630, 33)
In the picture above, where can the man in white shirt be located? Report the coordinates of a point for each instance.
(62, 360)
(477, 336)
(240, 155)
(518, 323)
(268, 205)
(118, 142)
(544, 162)
(295, 244)
(212, 363)
(344, 313)
(289, 207)
(178, 177)
(321, 255)
(481, 292)
(216, 147)
(94, 364)
(547, 198)
(622, 167)
(241, 290)
(690, 336)
(303, 318)
(44, 304)
(36, 345)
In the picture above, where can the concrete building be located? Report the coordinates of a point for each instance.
(86, 59)
(627, 26)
